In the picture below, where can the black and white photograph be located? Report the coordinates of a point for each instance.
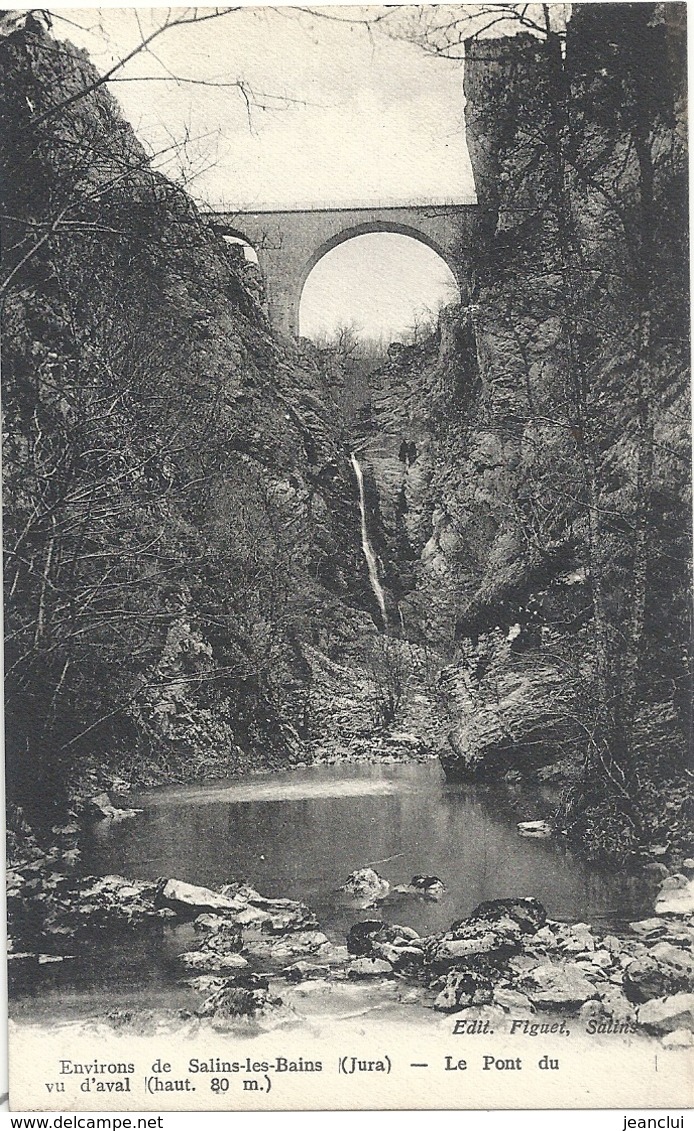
(347, 557)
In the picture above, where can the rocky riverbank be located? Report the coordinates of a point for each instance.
(267, 960)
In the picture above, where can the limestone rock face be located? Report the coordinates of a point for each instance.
(228, 433)
(484, 534)
(525, 727)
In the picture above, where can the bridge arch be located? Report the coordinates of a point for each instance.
(290, 242)
(364, 229)
(240, 239)
(355, 231)
(368, 229)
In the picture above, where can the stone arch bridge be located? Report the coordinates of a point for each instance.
(289, 243)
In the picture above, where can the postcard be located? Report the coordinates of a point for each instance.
(347, 557)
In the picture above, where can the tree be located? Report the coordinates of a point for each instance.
(28, 122)
(592, 162)
(161, 554)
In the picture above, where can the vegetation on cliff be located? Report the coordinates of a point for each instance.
(179, 512)
(553, 499)
(182, 561)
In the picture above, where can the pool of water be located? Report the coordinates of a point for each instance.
(300, 834)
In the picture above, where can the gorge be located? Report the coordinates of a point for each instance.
(451, 596)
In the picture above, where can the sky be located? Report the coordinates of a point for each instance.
(364, 276)
(331, 113)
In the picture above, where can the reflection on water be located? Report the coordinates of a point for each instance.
(299, 834)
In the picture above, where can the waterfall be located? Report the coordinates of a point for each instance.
(366, 544)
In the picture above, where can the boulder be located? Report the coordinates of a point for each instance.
(242, 892)
(205, 983)
(675, 882)
(611, 1006)
(431, 887)
(665, 1015)
(575, 938)
(679, 956)
(527, 912)
(211, 962)
(478, 945)
(602, 959)
(226, 937)
(251, 917)
(114, 898)
(460, 989)
(656, 977)
(539, 829)
(191, 899)
(648, 928)
(304, 971)
(511, 1001)
(616, 1004)
(297, 917)
(285, 948)
(208, 922)
(365, 937)
(401, 957)
(369, 968)
(366, 886)
(676, 900)
(554, 986)
(423, 887)
(250, 1000)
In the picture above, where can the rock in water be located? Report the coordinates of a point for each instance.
(366, 886)
(188, 897)
(540, 829)
(430, 886)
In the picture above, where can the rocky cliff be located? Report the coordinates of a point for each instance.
(544, 523)
(181, 519)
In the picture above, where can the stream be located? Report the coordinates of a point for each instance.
(299, 834)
